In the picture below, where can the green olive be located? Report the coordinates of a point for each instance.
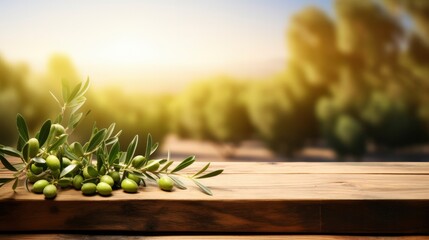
(89, 188)
(129, 185)
(33, 147)
(66, 162)
(107, 179)
(138, 161)
(165, 183)
(53, 162)
(35, 169)
(50, 191)
(115, 176)
(56, 130)
(77, 182)
(104, 189)
(40, 185)
(154, 167)
(134, 178)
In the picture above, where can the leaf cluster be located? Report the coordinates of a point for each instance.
(100, 155)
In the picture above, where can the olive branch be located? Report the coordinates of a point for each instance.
(49, 156)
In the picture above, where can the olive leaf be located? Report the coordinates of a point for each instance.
(154, 162)
(78, 91)
(110, 130)
(203, 188)
(58, 142)
(77, 149)
(20, 144)
(7, 164)
(111, 141)
(15, 184)
(25, 152)
(44, 132)
(70, 168)
(131, 149)
(26, 185)
(74, 120)
(22, 127)
(139, 175)
(65, 181)
(10, 151)
(38, 160)
(70, 155)
(202, 170)
(185, 163)
(100, 159)
(92, 171)
(3, 181)
(151, 175)
(148, 148)
(114, 151)
(76, 104)
(165, 167)
(177, 182)
(212, 174)
(154, 148)
(96, 140)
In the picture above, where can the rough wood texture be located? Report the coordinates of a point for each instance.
(327, 198)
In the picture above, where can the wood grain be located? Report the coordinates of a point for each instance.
(205, 237)
(328, 198)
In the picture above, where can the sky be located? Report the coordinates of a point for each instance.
(158, 45)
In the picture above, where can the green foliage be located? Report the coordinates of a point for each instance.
(191, 121)
(213, 110)
(350, 136)
(225, 111)
(60, 162)
(282, 111)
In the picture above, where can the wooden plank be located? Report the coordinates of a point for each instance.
(246, 201)
(321, 167)
(204, 237)
(285, 187)
(414, 168)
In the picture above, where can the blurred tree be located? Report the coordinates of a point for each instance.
(310, 37)
(226, 114)
(418, 10)
(367, 34)
(350, 136)
(282, 110)
(16, 96)
(190, 120)
(391, 122)
(214, 110)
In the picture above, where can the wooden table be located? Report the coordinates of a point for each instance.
(253, 198)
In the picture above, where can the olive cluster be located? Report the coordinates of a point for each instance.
(81, 178)
(50, 162)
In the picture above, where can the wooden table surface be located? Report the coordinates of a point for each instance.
(304, 198)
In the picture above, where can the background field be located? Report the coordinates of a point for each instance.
(255, 80)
